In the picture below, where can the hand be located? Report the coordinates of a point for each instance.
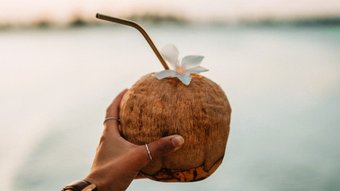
(117, 161)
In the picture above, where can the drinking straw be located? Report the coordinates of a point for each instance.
(140, 29)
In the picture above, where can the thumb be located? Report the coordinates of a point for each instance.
(164, 146)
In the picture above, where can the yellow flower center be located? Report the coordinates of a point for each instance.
(180, 70)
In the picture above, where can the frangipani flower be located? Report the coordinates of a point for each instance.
(189, 65)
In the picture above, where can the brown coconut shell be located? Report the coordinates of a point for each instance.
(200, 112)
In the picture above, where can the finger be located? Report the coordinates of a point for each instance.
(112, 113)
(163, 147)
(113, 109)
(157, 149)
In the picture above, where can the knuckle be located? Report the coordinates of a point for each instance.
(105, 134)
(102, 139)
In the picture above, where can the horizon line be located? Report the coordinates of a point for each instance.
(155, 18)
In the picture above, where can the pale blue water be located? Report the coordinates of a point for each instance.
(283, 84)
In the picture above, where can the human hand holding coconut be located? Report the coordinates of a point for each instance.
(153, 113)
(117, 161)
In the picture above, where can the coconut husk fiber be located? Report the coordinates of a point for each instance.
(200, 112)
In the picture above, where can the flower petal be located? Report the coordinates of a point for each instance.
(165, 73)
(196, 70)
(170, 53)
(184, 78)
(191, 61)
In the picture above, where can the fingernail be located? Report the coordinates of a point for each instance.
(177, 141)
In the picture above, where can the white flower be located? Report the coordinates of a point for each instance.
(190, 65)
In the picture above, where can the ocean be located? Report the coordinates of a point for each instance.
(283, 83)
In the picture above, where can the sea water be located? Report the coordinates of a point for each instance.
(283, 83)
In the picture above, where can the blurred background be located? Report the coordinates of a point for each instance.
(277, 60)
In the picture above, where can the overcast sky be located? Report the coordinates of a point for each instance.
(61, 10)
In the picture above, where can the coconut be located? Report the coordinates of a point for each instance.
(200, 112)
(190, 105)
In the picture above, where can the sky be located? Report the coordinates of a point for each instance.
(23, 11)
